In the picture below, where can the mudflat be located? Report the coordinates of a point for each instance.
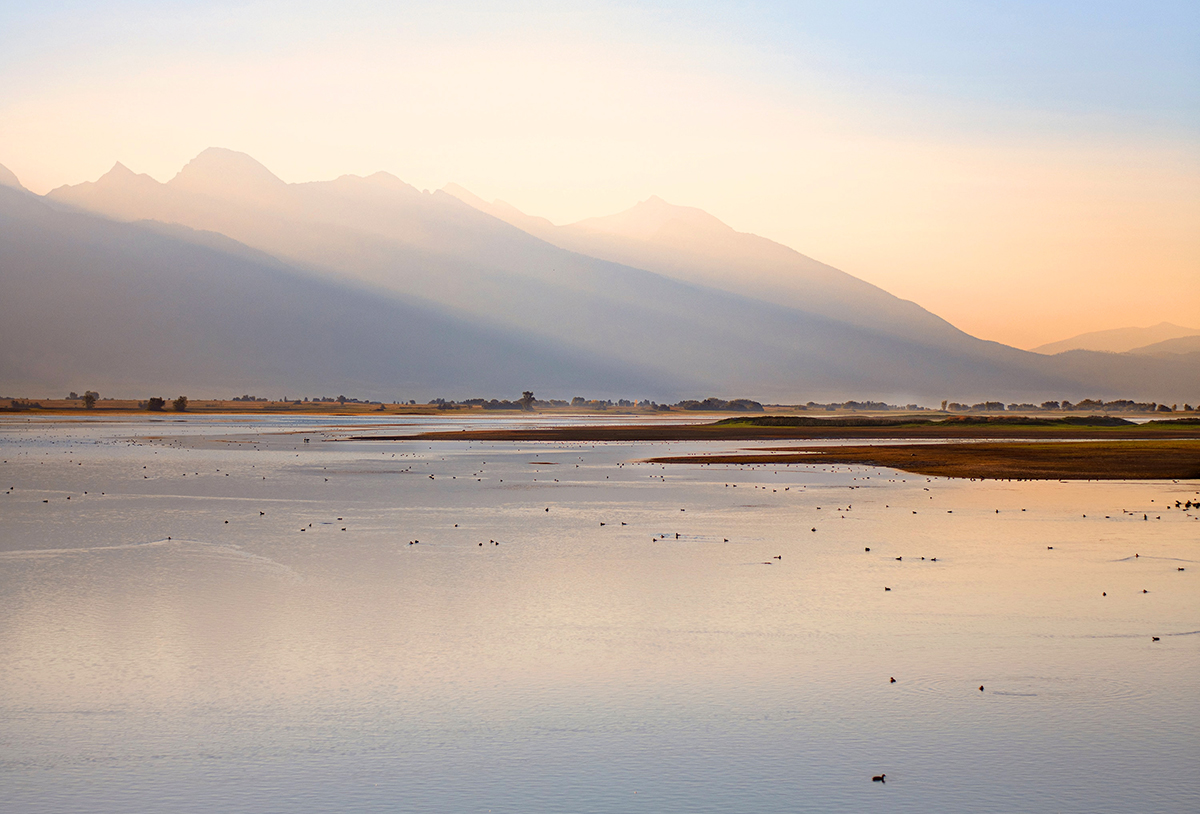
(1072, 460)
(803, 427)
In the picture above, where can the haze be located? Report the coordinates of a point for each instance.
(1027, 173)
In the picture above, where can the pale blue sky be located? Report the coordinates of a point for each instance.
(1103, 58)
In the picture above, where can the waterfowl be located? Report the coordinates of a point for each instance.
(879, 778)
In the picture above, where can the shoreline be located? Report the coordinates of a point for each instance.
(866, 428)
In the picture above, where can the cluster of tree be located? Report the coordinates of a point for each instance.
(529, 402)
(339, 400)
(1118, 405)
(526, 403)
(157, 404)
(17, 405)
(245, 397)
(879, 406)
(736, 405)
(89, 398)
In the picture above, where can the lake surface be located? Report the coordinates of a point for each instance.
(208, 614)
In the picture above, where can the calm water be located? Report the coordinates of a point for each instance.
(222, 617)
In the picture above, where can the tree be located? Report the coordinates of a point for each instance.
(89, 399)
(156, 404)
(527, 400)
(180, 404)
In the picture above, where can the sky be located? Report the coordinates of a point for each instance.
(1026, 170)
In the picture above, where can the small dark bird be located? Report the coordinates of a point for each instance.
(981, 688)
(887, 589)
(898, 559)
(879, 778)
(893, 681)
(1145, 591)
(1154, 638)
(866, 549)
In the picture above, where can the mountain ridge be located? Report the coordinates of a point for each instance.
(667, 302)
(1118, 340)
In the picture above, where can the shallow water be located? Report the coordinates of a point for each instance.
(231, 619)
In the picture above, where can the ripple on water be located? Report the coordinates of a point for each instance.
(192, 549)
(1017, 687)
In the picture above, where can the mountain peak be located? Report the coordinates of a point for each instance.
(647, 218)
(8, 179)
(388, 181)
(121, 177)
(119, 172)
(226, 173)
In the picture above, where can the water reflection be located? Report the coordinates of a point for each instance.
(244, 622)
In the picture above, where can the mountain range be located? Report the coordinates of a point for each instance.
(225, 278)
(1125, 340)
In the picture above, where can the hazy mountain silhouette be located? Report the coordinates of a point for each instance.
(7, 179)
(825, 335)
(1170, 347)
(162, 310)
(689, 244)
(1118, 340)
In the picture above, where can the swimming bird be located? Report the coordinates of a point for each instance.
(887, 589)
(879, 778)
(1154, 638)
(893, 681)
(981, 688)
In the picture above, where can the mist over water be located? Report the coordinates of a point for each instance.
(225, 617)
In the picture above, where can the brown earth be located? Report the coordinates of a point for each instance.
(1080, 460)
